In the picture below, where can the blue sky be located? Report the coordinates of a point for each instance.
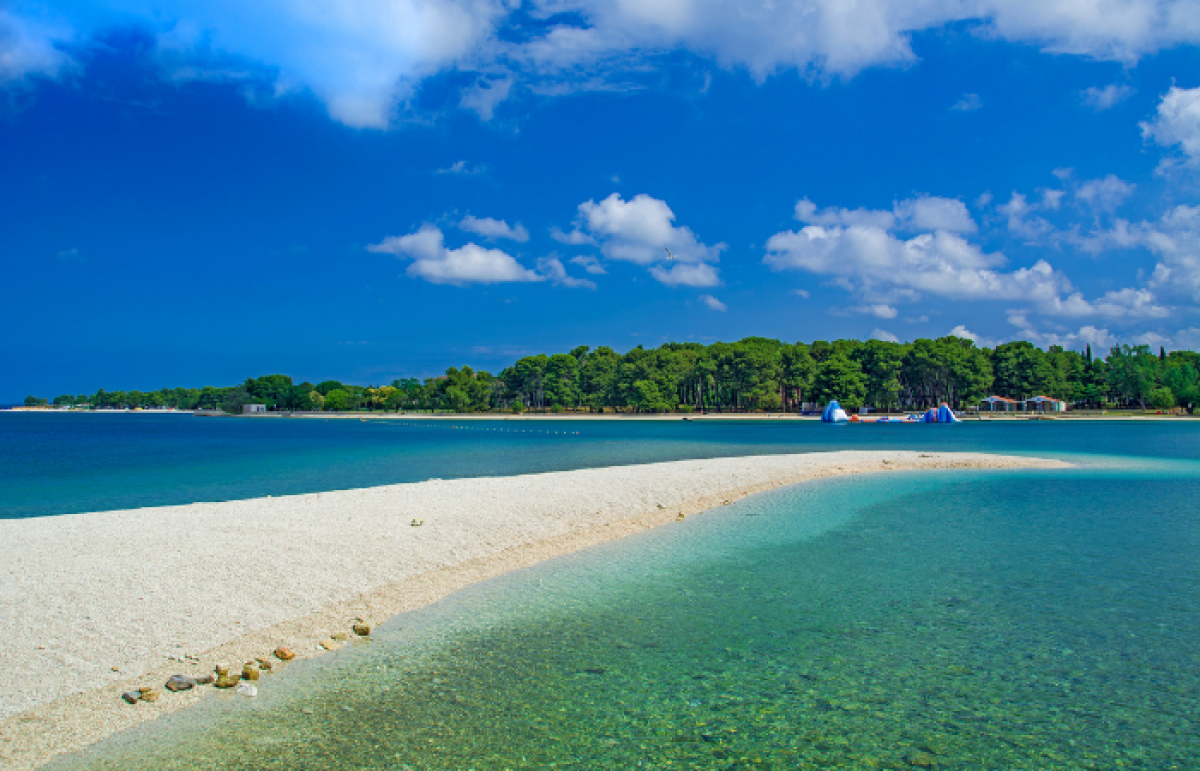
(368, 190)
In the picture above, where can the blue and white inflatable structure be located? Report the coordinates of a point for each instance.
(942, 414)
(834, 414)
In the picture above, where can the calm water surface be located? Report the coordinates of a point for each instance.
(999, 620)
(64, 463)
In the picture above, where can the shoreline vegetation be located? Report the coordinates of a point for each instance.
(150, 598)
(750, 377)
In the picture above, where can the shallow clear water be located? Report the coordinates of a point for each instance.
(63, 463)
(951, 620)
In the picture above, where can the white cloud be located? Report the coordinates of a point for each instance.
(968, 103)
(1097, 338)
(1152, 339)
(463, 168)
(484, 96)
(698, 274)
(966, 334)
(878, 310)
(553, 269)
(1105, 194)
(939, 263)
(470, 264)
(801, 293)
(881, 334)
(640, 231)
(590, 264)
(1177, 121)
(1100, 99)
(712, 303)
(494, 229)
(575, 238)
(806, 212)
(363, 58)
(925, 212)
(1020, 222)
(1121, 303)
(27, 49)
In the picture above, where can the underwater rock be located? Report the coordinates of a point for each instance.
(330, 644)
(246, 689)
(228, 681)
(921, 760)
(150, 695)
(205, 680)
(339, 636)
(362, 630)
(417, 522)
(132, 697)
(264, 664)
(284, 654)
(250, 672)
(180, 683)
(221, 669)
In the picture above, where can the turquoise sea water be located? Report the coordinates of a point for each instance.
(1021, 619)
(63, 463)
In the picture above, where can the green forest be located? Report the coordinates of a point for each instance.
(752, 375)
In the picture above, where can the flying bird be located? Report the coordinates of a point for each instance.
(669, 255)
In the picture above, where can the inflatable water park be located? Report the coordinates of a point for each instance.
(943, 414)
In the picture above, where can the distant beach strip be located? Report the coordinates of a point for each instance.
(102, 604)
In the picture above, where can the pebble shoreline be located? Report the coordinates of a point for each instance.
(105, 605)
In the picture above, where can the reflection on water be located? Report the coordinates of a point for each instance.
(1001, 620)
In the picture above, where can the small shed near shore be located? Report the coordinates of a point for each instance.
(1045, 404)
(249, 409)
(999, 404)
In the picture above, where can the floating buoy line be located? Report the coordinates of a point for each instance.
(426, 424)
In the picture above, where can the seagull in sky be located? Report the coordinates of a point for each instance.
(669, 255)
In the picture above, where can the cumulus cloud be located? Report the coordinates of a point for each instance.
(882, 334)
(362, 58)
(494, 229)
(642, 231)
(1177, 121)
(698, 274)
(1021, 220)
(885, 268)
(939, 263)
(552, 268)
(1100, 99)
(712, 303)
(437, 264)
(1106, 194)
(924, 212)
(966, 334)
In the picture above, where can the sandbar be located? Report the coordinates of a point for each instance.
(100, 603)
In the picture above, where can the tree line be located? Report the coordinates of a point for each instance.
(752, 375)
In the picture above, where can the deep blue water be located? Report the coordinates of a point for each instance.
(63, 463)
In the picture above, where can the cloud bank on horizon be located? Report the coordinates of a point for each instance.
(1055, 254)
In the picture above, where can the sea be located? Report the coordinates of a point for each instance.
(944, 619)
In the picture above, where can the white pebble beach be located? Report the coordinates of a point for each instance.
(100, 603)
